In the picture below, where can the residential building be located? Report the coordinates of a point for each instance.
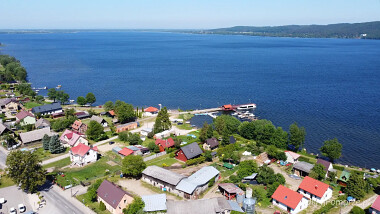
(162, 178)
(83, 154)
(126, 127)
(79, 126)
(35, 135)
(302, 168)
(194, 185)
(230, 190)
(343, 178)
(9, 105)
(71, 138)
(125, 152)
(292, 157)
(251, 179)
(42, 123)
(114, 198)
(136, 150)
(48, 109)
(154, 203)
(203, 206)
(210, 144)
(163, 144)
(82, 115)
(164, 134)
(315, 190)
(4, 129)
(150, 111)
(328, 167)
(25, 118)
(99, 120)
(375, 208)
(146, 131)
(188, 152)
(289, 200)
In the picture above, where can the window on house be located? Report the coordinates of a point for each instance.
(125, 201)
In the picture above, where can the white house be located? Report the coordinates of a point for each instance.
(83, 154)
(315, 190)
(289, 200)
(145, 131)
(292, 157)
(71, 138)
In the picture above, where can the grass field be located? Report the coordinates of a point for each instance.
(45, 154)
(29, 105)
(59, 164)
(5, 181)
(160, 161)
(92, 205)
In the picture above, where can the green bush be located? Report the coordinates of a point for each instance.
(102, 207)
(305, 159)
(337, 167)
(357, 210)
(195, 161)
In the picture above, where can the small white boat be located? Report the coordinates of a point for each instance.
(251, 115)
(247, 106)
(234, 114)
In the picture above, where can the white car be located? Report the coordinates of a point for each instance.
(21, 208)
(2, 200)
(12, 210)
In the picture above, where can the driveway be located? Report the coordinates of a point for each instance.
(14, 196)
(293, 183)
(3, 157)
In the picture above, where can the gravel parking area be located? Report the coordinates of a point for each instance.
(13, 197)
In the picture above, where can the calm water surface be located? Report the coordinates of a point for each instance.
(329, 86)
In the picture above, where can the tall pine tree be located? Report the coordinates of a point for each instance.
(55, 146)
(46, 142)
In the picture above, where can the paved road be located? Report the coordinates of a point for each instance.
(13, 197)
(3, 157)
(60, 202)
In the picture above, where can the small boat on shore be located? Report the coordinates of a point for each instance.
(246, 106)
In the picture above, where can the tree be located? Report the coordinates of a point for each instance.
(69, 112)
(124, 136)
(46, 142)
(225, 138)
(102, 207)
(52, 94)
(272, 188)
(279, 138)
(357, 210)
(133, 165)
(134, 139)
(246, 168)
(162, 122)
(124, 112)
(210, 131)
(39, 99)
(94, 130)
(90, 98)
(296, 136)
(318, 172)
(226, 123)
(331, 149)
(207, 155)
(136, 207)
(203, 133)
(356, 186)
(220, 125)
(81, 101)
(153, 147)
(25, 168)
(246, 130)
(55, 146)
(62, 97)
(108, 106)
(91, 191)
(10, 140)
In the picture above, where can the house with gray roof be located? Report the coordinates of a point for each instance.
(210, 144)
(99, 120)
(154, 203)
(204, 206)
(194, 185)
(188, 152)
(4, 129)
(42, 123)
(35, 135)
(162, 178)
(114, 197)
(48, 109)
(302, 168)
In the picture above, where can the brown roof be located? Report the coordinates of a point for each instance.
(212, 142)
(111, 193)
(325, 163)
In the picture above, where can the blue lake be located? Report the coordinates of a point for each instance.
(329, 86)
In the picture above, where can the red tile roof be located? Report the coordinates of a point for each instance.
(69, 135)
(112, 112)
(376, 204)
(126, 151)
(81, 149)
(165, 143)
(151, 109)
(314, 186)
(22, 114)
(287, 196)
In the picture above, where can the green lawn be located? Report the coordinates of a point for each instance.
(5, 181)
(87, 173)
(59, 164)
(165, 159)
(45, 154)
(92, 205)
(184, 126)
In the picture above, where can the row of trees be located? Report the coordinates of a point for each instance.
(52, 144)
(132, 138)
(124, 111)
(12, 69)
(58, 95)
(90, 99)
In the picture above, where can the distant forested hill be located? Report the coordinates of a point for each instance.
(369, 30)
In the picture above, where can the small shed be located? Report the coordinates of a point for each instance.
(230, 190)
(302, 168)
(116, 149)
(228, 165)
(250, 179)
(344, 177)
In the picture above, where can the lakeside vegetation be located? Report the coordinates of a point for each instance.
(343, 30)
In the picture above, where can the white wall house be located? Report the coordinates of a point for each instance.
(289, 200)
(315, 190)
(83, 154)
(292, 157)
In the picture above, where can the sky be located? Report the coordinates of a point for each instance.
(180, 14)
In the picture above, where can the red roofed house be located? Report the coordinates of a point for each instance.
(150, 111)
(292, 157)
(227, 107)
(71, 138)
(315, 190)
(163, 144)
(126, 152)
(115, 198)
(289, 200)
(83, 154)
(80, 127)
(25, 118)
(375, 208)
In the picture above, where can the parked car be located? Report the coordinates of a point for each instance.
(21, 208)
(111, 142)
(12, 210)
(2, 200)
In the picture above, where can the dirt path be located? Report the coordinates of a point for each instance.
(137, 187)
(363, 204)
(291, 182)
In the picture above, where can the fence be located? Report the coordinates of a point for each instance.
(155, 156)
